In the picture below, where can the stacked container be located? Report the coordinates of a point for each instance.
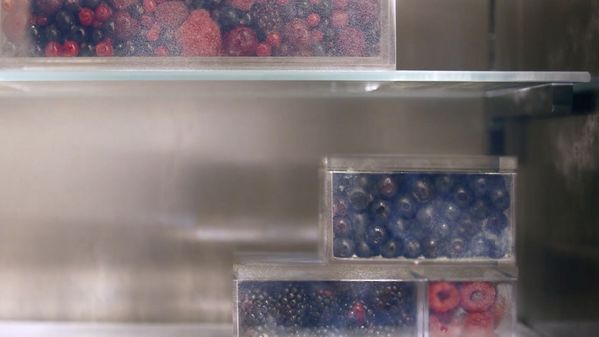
(411, 246)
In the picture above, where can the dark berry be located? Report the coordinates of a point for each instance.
(431, 248)
(137, 10)
(380, 211)
(35, 33)
(495, 223)
(323, 308)
(391, 249)
(91, 3)
(78, 34)
(426, 214)
(363, 250)
(359, 314)
(477, 296)
(467, 226)
(387, 187)
(291, 305)
(500, 198)
(359, 199)
(52, 33)
(64, 20)
(422, 190)
(342, 227)
(444, 184)
(360, 224)
(482, 245)
(97, 35)
(343, 248)
(449, 211)
(241, 41)
(440, 229)
(462, 196)
(480, 185)
(125, 26)
(456, 248)
(340, 206)
(479, 209)
(400, 227)
(126, 48)
(255, 306)
(443, 296)
(412, 247)
(87, 49)
(376, 235)
(48, 7)
(406, 206)
(341, 182)
(227, 17)
(72, 5)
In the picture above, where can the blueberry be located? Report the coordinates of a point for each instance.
(456, 248)
(431, 248)
(72, 5)
(387, 187)
(52, 33)
(480, 184)
(467, 226)
(412, 248)
(78, 34)
(126, 48)
(91, 3)
(495, 223)
(97, 35)
(426, 215)
(406, 206)
(109, 27)
(399, 227)
(449, 211)
(479, 209)
(64, 20)
(87, 49)
(422, 189)
(359, 199)
(444, 183)
(340, 206)
(483, 245)
(500, 198)
(364, 250)
(359, 223)
(462, 196)
(363, 181)
(376, 235)
(342, 227)
(391, 249)
(342, 183)
(380, 211)
(440, 229)
(343, 248)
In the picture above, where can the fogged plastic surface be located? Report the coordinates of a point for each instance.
(404, 208)
(279, 300)
(201, 33)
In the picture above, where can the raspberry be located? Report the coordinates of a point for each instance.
(443, 296)
(171, 14)
(313, 19)
(340, 4)
(199, 35)
(297, 33)
(363, 11)
(125, 27)
(149, 5)
(350, 42)
(244, 5)
(267, 16)
(477, 296)
(339, 19)
(479, 325)
(104, 48)
(273, 39)
(241, 41)
(122, 4)
(103, 12)
(263, 49)
(438, 328)
(86, 16)
(53, 49)
(70, 49)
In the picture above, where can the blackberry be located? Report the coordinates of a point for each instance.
(51, 33)
(229, 17)
(267, 16)
(390, 296)
(323, 308)
(291, 305)
(64, 20)
(255, 305)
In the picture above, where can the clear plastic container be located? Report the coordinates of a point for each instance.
(202, 34)
(470, 302)
(314, 299)
(419, 209)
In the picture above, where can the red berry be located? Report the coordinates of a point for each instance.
(125, 27)
(313, 20)
(443, 296)
(241, 41)
(357, 313)
(103, 12)
(339, 19)
(350, 42)
(297, 33)
(499, 309)
(53, 49)
(478, 296)
(86, 16)
(171, 14)
(340, 4)
(122, 4)
(153, 34)
(48, 7)
(161, 51)
(149, 5)
(41, 21)
(264, 49)
(479, 324)
(244, 5)
(104, 49)
(317, 36)
(199, 35)
(273, 39)
(146, 21)
(439, 328)
(70, 48)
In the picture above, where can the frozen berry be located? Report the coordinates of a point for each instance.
(313, 20)
(439, 328)
(342, 227)
(274, 39)
(171, 14)
(426, 214)
(64, 20)
(359, 199)
(199, 35)
(443, 296)
(360, 224)
(297, 33)
(479, 209)
(363, 11)
(122, 4)
(387, 187)
(449, 211)
(412, 247)
(406, 206)
(500, 198)
(343, 248)
(86, 16)
(440, 229)
(48, 7)
(477, 296)
(149, 5)
(104, 49)
(422, 188)
(432, 248)
(495, 223)
(380, 211)
(363, 250)
(90, 3)
(400, 227)
(462, 196)
(444, 183)
(456, 248)
(125, 26)
(340, 206)
(478, 325)
(103, 12)
(70, 48)
(391, 249)
(244, 5)
(376, 235)
(241, 41)
(53, 49)
(340, 4)
(467, 226)
(339, 19)
(485, 245)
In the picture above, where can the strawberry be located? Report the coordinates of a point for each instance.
(443, 297)
(171, 14)
(477, 296)
(199, 35)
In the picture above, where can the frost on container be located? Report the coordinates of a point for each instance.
(419, 208)
(356, 29)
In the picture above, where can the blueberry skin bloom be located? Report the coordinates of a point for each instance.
(426, 215)
(456, 248)
(343, 248)
(406, 206)
(431, 248)
(483, 245)
(399, 227)
(360, 224)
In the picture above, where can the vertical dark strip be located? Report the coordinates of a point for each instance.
(492, 34)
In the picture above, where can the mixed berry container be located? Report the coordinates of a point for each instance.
(314, 299)
(419, 209)
(202, 33)
(470, 302)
